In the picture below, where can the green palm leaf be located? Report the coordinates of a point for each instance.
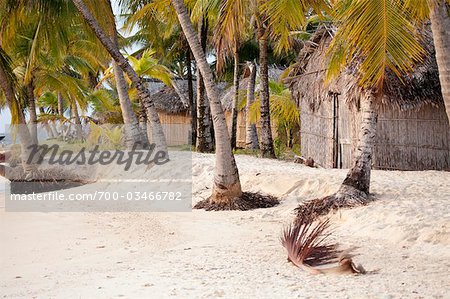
(378, 35)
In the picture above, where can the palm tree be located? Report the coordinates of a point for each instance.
(8, 83)
(192, 102)
(231, 29)
(51, 54)
(133, 134)
(278, 21)
(160, 31)
(267, 149)
(283, 110)
(274, 20)
(376, 40)
(204, 137)
(157, 132)
(438, 12)
(251, 135)
(227, 186)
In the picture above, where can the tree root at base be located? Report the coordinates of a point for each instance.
(346, 197)
(247, 201)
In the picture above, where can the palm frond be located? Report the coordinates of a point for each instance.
(286, 16)
(308, 247)
(378, 36)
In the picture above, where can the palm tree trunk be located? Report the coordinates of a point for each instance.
(204, 138)
(356, 185)
(76, 117)
(133, 133)
(33, 113)
(440, 25)
(267, 150)
(143, 120)
(23, 132)
(234, 111)
(192, 102)
(251, 135)
(157, 131)
(227, 186)
(61, 114)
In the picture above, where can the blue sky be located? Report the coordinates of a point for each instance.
(5, 118)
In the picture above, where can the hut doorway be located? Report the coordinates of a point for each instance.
(337, 150)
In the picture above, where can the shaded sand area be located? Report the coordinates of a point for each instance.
(403, 238)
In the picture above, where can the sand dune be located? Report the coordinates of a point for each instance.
(403, 238)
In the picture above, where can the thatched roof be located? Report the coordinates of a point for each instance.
(167, 99)
(306, 79)
(228, 95)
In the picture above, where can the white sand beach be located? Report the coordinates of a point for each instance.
(402, 239)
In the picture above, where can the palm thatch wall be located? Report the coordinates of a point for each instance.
(413, 130)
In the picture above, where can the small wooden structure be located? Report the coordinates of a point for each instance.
(413, 132)
(174, 114)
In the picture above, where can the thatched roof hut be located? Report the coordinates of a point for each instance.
(174, 109)
(168, 100)
(413, 130)
(174, 112)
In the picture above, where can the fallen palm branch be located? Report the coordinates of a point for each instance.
(308, 248)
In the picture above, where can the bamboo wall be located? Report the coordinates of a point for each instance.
(316, 131)
(177, 127)
(411, 140)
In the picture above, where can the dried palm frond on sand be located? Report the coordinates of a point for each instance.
(308, 248)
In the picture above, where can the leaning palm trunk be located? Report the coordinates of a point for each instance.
(133, 134)
(204, 137)
(354, 190)
(251, 135)
(267, 150)
(157, 131)
(227, 186)
(29, 167)
(234, 113)
(440, 25)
